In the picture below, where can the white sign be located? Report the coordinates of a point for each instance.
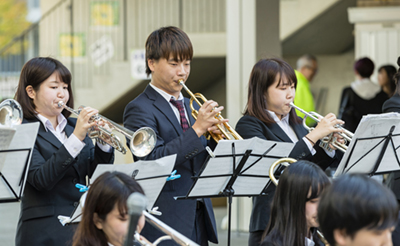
(102, 50)
(138, 64)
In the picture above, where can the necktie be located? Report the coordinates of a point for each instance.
(179, 105)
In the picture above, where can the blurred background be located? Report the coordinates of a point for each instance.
(102, 43)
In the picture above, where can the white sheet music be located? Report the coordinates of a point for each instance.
(368, 142)
(151, 175)
(24, 138)
(6, 135)
(208, 184)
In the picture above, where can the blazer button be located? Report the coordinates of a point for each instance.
(76, 204)
(74, 181)
(303, 154)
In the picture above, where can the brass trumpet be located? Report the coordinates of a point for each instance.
(286, 162)
(142, 141)
(330, 139)
(226, 129)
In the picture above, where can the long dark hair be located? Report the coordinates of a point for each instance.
(390, 72)
(107, 190)
(34, 73)
(262, 77)
(288, 224)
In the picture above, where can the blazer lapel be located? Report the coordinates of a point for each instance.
(47, 135)
(298, 129)
(163, 106)
(279, 133)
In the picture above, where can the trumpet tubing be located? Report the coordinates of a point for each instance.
(330, 139)
(10, 113)
(142, 142)
(226, 129)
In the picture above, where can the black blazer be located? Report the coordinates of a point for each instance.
(152, 110)
(50, 188)
(248, 127)
(393, 105)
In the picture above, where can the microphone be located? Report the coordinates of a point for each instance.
(136, 203)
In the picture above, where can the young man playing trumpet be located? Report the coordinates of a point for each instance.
(163, 108)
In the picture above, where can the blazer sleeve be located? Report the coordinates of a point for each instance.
(186, 145)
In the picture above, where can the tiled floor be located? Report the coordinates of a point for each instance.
(9, 213)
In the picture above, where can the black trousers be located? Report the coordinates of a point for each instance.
(200, 232)
(255, 238)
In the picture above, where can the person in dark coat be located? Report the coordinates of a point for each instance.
(63, 154)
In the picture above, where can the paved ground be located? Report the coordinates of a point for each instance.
(9, 213)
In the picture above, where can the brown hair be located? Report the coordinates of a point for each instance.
(262, 77)
(33, 73)
(168, 41)
(107, 190)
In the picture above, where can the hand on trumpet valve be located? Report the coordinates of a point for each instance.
(326, 126)
(207, 118)
(84, 122)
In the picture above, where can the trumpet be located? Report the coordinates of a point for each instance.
(286, 162)
(226, 129)
(10, 113)
(330, 139)
(171, 234)
(142, 141)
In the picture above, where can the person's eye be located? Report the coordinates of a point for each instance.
(65, 87)
(54, 87)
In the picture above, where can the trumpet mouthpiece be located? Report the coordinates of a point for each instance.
(60, 104)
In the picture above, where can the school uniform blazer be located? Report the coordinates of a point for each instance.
(50, 188)
(152, 110)
(248, 127)
(393, 105)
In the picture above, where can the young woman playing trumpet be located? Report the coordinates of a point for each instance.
(63, 154)
(268, 115)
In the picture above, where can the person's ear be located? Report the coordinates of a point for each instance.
(30, 91)
(340, 236)
(150, 63)
(97, 221)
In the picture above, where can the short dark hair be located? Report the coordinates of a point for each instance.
(364, 67)
(262, 77)
(108, 190)
(288, 224)
(397, 77)
(34, 73)
(354, 202)
(390, 71)
(168, 41)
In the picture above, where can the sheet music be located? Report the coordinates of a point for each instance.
(15, 162)
(6, 135)
(151, 175)
(368, 142)
(209, 184)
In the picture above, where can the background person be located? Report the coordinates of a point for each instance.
(294, 207)
(163, 108)
(357, 211)
(268, 115)
(386, 79)
(105, 218)
(362, 97)
(63, 154)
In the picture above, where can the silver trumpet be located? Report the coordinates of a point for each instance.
(330, 139)
(10, 113)
(171, 234)
(142, 141)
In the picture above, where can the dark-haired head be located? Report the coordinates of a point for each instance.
(168, 42)
(397, 77)
(263, 75)
(109, 190)
(364, 67)
(355, 202)
(386, 78)
(34, 73)
(301, 182)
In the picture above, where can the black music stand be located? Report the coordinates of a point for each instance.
(15, 160)
(375, 147)
(237, 168)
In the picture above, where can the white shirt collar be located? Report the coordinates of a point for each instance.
(165, 95)
(62, 122)
(284, 119)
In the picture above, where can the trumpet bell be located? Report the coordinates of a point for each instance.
(143, 141)
(10, 113)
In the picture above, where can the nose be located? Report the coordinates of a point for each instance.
(182, 70)
(291, 93)
(61, 93)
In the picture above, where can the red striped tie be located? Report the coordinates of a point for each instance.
(179, 105)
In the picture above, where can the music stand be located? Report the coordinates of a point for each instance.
(16, 146)
(375, 147)
(151, 175)
(237, 168)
